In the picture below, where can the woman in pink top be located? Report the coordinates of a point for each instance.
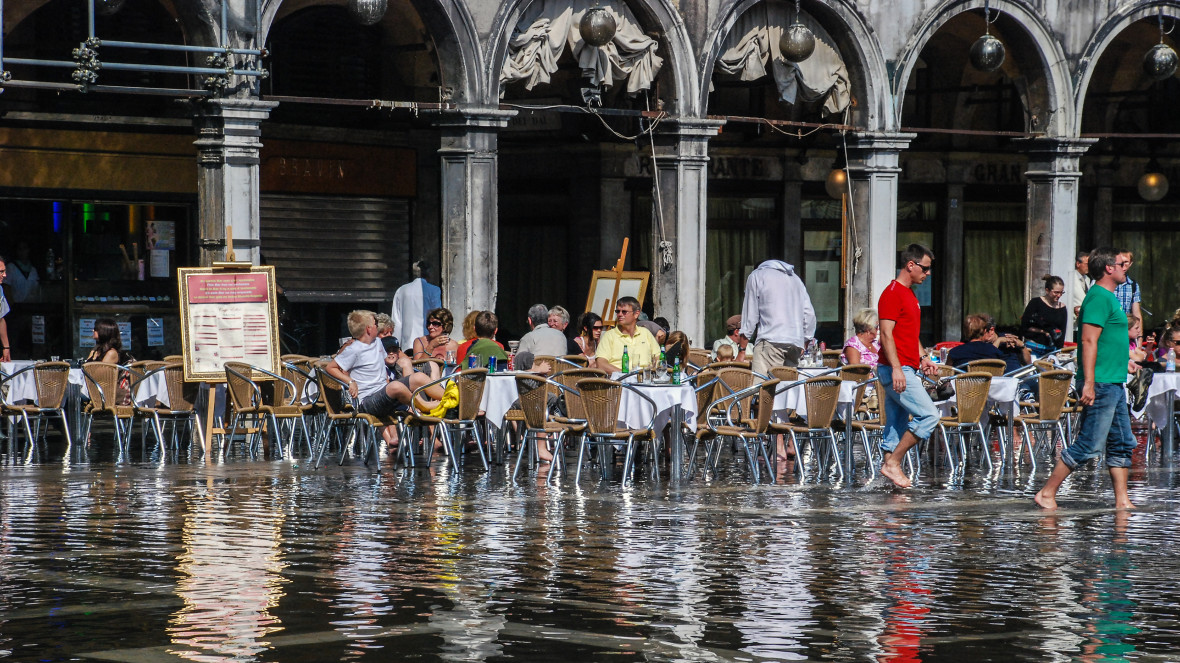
(863, 347)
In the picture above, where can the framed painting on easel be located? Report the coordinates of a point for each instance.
(602, 296)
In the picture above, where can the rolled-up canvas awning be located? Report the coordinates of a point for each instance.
(548, 27)
(753, 42)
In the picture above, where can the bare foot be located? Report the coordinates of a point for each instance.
(1123, 505)
(894, 473)
(1045, 501)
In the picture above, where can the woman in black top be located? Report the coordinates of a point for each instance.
(1043, 322)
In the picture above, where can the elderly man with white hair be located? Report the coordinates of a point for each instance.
(559, 319)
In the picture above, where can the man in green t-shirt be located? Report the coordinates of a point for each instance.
(1102, 369)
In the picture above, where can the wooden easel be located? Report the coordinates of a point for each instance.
(230, 264)
(618, 270)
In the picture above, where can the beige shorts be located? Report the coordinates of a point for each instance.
(767, 355)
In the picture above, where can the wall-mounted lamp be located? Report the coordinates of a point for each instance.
(837, 183)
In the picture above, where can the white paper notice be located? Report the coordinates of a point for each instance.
(230, 332)
(159, 266)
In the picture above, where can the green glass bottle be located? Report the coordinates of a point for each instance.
(626, 360)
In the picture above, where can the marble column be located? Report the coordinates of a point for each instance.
(227, 179)
(1053, 177)
(873, 160)
(470, 215)
(679, 203)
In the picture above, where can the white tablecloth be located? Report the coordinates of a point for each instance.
(795, 400)
(1002, 390)
(1157, 403)
(23, 387)
(499, 393)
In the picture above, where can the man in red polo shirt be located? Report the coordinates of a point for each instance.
(910, 415)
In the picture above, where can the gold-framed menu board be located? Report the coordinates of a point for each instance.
(227, 314)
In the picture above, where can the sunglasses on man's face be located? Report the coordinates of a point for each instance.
(925, 268)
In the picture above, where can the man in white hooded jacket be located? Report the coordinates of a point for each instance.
(777, 308)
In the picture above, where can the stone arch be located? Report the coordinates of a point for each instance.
(675, 46)
(1058, 98)
(1107, 32)
(452, 29)
(856, 41)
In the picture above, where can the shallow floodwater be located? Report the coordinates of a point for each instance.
(246, 560)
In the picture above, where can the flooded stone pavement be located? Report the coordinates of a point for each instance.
(274, 561)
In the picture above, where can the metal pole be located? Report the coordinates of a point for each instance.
(90, 19)
(224, 22)
(122, 66)
(677, 441)
(175, 47)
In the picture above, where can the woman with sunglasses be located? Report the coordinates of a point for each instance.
(590, 330)
(1043, 323)
(436, 342)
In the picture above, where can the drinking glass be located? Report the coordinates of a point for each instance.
(513, 346)
(449, 360)
(942, 352)
(55, 358)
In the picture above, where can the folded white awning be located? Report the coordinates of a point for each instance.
(753, 42)
(548, 27)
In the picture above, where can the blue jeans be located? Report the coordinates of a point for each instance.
(899, 408)
(1109, 420)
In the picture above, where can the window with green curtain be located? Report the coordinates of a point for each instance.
(738, 239)
(994, 261)
(1150, 231)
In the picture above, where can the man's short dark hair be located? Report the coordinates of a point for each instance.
(629, 302)
(976, 325)
(1101, 258)
(486, 324)
(915, 253)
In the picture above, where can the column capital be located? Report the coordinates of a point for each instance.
(882, 141)
(1054, 157)
(469, 117)
(690, 127)
(240, 108)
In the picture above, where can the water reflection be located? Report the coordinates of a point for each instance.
(242, 561)
(231, 576)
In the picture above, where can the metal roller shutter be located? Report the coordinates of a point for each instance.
(336, 249)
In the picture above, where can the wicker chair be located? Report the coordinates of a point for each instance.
(784, 373)
(171, 358)
(470, 384)
(534, 393)
(246, 399)
(102, 385)
(698, 358)
(180, 408)
(51, 379)
(832, 358)
(733, 379)
(718, 365)
(752, 432)
(577, 360)
(1046, 412)
(602, 398)
(971, 391)
(705, 388)
(342, 414)
(993, 367)
(822, 394)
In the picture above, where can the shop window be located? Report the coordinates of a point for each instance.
(820, 268)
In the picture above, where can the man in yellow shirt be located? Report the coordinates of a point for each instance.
(641, 345)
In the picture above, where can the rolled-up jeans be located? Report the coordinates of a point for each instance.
(1106, 420)
(910, 410)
